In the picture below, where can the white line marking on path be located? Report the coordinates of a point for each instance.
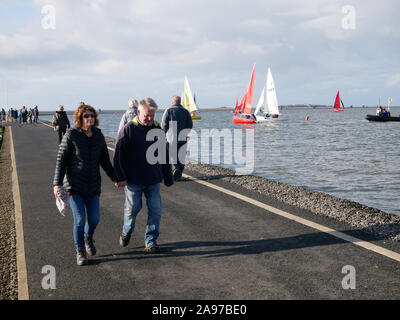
(23, 292)
(361, 243)
(364, 244)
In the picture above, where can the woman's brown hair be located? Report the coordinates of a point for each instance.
(79, 113)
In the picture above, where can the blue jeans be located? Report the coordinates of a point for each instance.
(133, 204)
(82, 227)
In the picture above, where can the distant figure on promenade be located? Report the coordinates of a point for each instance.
(35, 114)
(129, 114)
(3, 115)
(24, 114)
(61, 123)
(10, 115)
(175, 119)
(16, 115)
(82, 151)
(30, 115)
(19, 116)
(135, 173)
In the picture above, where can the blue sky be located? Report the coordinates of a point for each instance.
(104, 52)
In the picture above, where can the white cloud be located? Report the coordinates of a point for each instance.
(393, 81)
(151, 45)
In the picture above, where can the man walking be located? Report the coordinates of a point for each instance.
(175, 119)
(137, 175)
(61, 123)
(35, 114)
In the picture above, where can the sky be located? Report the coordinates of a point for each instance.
(104, 52)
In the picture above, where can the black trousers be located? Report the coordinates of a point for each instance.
(61, 132)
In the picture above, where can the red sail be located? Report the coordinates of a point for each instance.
(249, 93)
(337, 101)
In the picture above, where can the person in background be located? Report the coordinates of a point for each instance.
(35, 114)
(10, 115)
(3, 115)
(135, 173)
(129, 114)
(179, 117)
(81, 153)
(30, 115)
(61, 123)
(24, 114)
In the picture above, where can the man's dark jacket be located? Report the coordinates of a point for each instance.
(79, 159)
(61, 121)
(130, 161)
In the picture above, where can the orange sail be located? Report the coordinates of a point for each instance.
(249, 94)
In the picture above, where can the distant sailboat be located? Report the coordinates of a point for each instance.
(268, 102)
(188, 101)
(242, 112)
(336, 107)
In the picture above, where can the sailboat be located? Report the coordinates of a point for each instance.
(336, 107)
(268, 101)
(242, 112)
(188, 101)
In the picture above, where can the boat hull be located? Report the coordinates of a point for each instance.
(337, 110)
(264, 118)
(243, 120)
(371, 117)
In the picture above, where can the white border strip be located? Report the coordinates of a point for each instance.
(361, 243)
(23, 292)
(364, 244)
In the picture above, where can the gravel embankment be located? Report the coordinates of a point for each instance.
(382, 225)
(8, 268)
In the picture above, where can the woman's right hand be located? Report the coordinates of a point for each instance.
(121, 184)
(55, 189)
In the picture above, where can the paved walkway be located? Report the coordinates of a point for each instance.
(214, 245)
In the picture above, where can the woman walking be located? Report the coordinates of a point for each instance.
(81, 153)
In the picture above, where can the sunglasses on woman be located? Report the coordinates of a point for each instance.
(88, 116)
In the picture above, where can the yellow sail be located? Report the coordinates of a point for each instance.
(187, 98)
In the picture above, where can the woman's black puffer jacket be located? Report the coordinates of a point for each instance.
(79, 159)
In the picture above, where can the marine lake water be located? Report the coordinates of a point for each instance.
(339, 153)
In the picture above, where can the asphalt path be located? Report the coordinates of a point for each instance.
(214, 246)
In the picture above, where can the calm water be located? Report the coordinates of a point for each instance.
(341, 154)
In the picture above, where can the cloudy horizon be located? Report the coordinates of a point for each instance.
(103, 53)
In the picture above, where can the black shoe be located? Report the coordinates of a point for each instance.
(154, 248)
(89, 246)
(124, 240)
(177, 174)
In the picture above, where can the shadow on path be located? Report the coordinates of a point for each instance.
(218, 249)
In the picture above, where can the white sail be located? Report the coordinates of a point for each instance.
(271, 102)
(261, 102)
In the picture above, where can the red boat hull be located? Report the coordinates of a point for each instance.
(337, 110)
(243, 120)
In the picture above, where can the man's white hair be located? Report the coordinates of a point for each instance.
(148, 103)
